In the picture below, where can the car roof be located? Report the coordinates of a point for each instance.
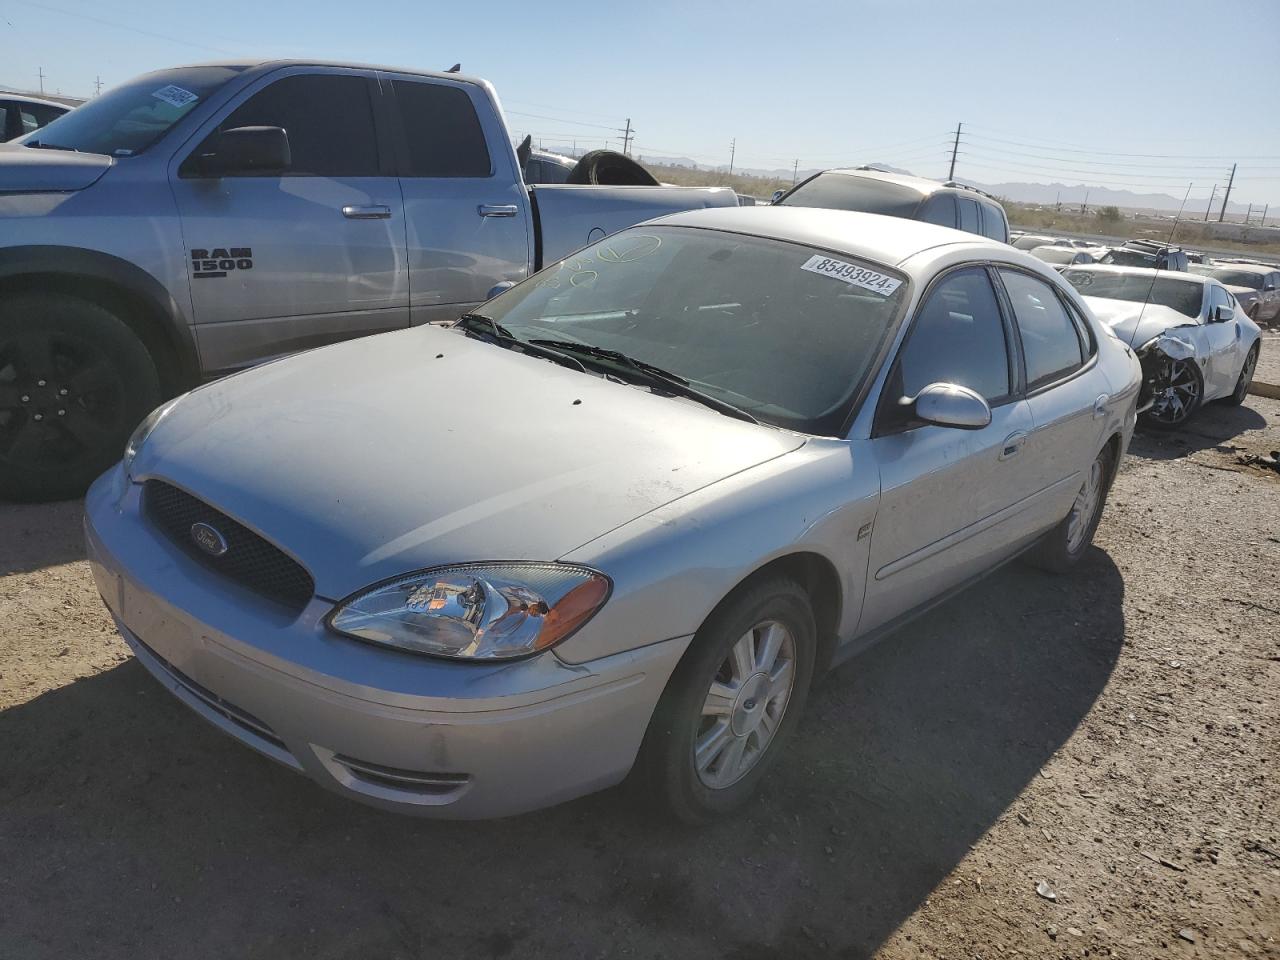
(23, 98)
(275, 64)
(868, 235)
(922, 185)
(1144, 272)
(1244, 267)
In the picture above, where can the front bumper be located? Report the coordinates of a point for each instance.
(395, 730)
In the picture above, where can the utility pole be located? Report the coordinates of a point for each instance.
(1057, 201)
(1263, 221)
(626, 138)
(955, 147)
(1208, 208)
(40, 71)
(97, 85)
(795, 171)
(1084, 207)
(733, 150)
(1226, 196)
(1247, 214)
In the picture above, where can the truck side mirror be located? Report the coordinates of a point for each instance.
(246, 151)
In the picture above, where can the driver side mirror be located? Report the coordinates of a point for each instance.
(951, 405)
(246, 150)
(1222, 313)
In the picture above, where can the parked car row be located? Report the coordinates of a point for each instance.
(20, 114)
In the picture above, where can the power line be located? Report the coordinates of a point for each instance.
(986, 142)
(1116, 153)
(578, 123)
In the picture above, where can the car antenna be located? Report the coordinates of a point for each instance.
(1154, 276)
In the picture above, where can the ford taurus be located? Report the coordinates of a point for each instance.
(618, 519)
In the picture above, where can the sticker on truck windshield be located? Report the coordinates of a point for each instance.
(852, 273)
(175, 96)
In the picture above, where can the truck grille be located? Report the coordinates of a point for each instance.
(249, 560)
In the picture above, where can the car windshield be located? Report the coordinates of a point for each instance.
(839, 191)
(129, 118)
(784, 332)
(1183, 296)
(1238, 278)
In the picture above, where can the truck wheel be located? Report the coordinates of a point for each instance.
(74, 382)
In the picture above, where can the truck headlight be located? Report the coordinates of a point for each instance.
(475, 611)
(139, 436)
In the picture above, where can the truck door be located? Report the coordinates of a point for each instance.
(466, 209)
(281, 262)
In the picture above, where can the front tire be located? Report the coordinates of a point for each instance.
(732, 703)
(1246, 377)
(1179, 398)
(1064, 545)
(74, 382)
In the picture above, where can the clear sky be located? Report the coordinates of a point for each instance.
(1143, 95)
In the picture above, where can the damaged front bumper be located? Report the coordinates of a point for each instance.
(1159, 358)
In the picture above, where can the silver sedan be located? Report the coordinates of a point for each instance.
(617, 521)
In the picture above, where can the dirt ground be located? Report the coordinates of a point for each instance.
(1113, 734)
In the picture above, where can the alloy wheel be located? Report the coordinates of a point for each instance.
(1180, 396)
(1086, 505)
(744, 705)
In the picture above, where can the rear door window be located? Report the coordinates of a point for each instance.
(940, 209)
(958, 337)
(443, 136)
(1051, 342)
(968, 214)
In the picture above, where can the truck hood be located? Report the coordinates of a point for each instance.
(33, 170)
(1122, 317)
(375, 457)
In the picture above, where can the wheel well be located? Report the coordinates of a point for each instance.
(176, 370)
(820, 581)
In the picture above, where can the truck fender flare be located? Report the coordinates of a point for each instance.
(165, 319)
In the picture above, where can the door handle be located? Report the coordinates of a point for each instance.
(373, 211)
(1100, 407)
(497, 209)
(1013, 443)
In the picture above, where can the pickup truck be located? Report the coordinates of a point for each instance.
(196, 221)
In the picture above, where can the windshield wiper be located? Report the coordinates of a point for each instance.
(655, 376)
(479, 325)
(40, 145)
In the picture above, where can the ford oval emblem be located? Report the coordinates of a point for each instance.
(208, 539)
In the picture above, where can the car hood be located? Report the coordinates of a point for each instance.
(33, 170)
(1122, 316)
(422, 447)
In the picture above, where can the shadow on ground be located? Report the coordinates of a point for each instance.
(132, 829)
(37, 535)
(1214, 425)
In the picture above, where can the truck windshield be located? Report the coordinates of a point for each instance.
(840, 191)
(129, 118)
(784, 332)
(1183, 296)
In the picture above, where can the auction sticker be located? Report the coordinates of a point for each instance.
(175, 96)
(852, 273)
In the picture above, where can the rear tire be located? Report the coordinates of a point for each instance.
(731, 704)
(1063, 546)
(74, 382)
(1246, 377)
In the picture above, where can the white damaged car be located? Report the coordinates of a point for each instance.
(1194, 341)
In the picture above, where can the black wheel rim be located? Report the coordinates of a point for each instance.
(1180, 395)
(61, 401)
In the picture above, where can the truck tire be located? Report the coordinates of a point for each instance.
(610, 168)
(74, 382)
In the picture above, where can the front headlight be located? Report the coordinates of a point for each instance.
(481, 611)
(139, 436)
